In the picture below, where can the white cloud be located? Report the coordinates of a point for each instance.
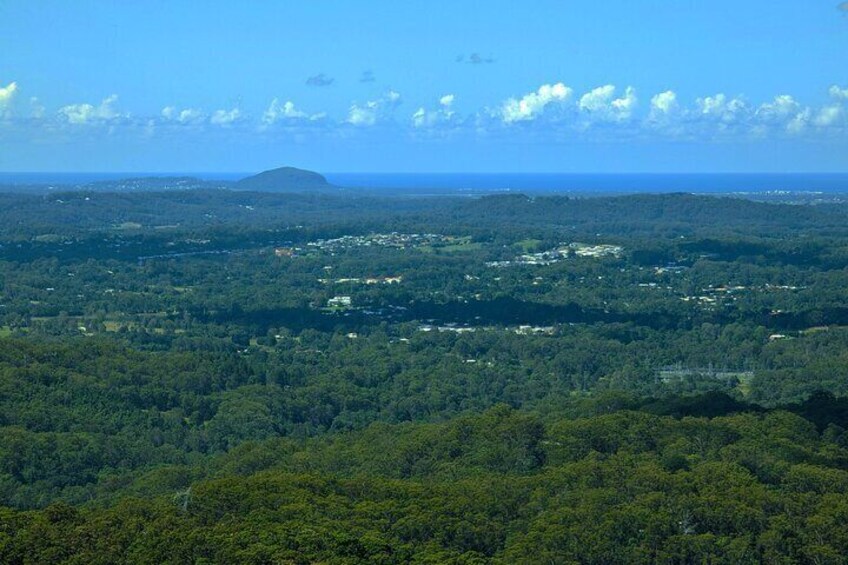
(190, 115)
(799, 122)
(711, 104)
(286, 111)
(532, 105)
(838, 93)
(277, 111)
(429, 118)
(225, 117)
(781, 108)
(722, 109)
(7, 93)
(419, 118)
(785, 112)
(82, 114)
(185, 116)
(37, 110)
(597, 99)
(552, 111)
(828, 116)
(666, 114)
(599, 103)
(664, 103)
(365, 115)
(624, 106)
(373, 111)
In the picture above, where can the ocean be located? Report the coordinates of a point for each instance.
(474, 183)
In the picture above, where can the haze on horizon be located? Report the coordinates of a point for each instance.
(567, 86)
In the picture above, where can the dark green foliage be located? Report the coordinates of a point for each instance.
(496, 488)
(182, 382)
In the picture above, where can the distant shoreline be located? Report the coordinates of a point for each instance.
(476, 183)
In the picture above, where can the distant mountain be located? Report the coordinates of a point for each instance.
(285, 179)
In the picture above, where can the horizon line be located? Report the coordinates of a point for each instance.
(581, 173)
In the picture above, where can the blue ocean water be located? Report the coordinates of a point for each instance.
(832, 183)
(447, 183)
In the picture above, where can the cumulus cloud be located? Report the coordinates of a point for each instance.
(833, 115)
(185, 116)
(838, 93)
(666, 113)
(277, 111)
(364, 115)
(625, 105)
(720, 108)
(532, 105)
(597, 99)
(799, 122)
(320, 80)
(782, 107)
(783, 112)
(367, 76)
(225, 117)
(36, 109)
(552, 111)
(82, 114)
(373, 111)
(429, 118)
(704, 118)
(600, 103)
(7, 93)
(664, 103)
(286, 111)
(829, 116)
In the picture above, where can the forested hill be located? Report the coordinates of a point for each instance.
(675, 214)
(605, 485)
(654, 212)
(285, 179)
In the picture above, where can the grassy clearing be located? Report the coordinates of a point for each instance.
(528, 245)
(128, 226)
(458, 245)
(744, 385)
(461, 247)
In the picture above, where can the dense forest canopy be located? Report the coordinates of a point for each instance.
(207, 375)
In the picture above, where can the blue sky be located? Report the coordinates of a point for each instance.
(547, 86)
